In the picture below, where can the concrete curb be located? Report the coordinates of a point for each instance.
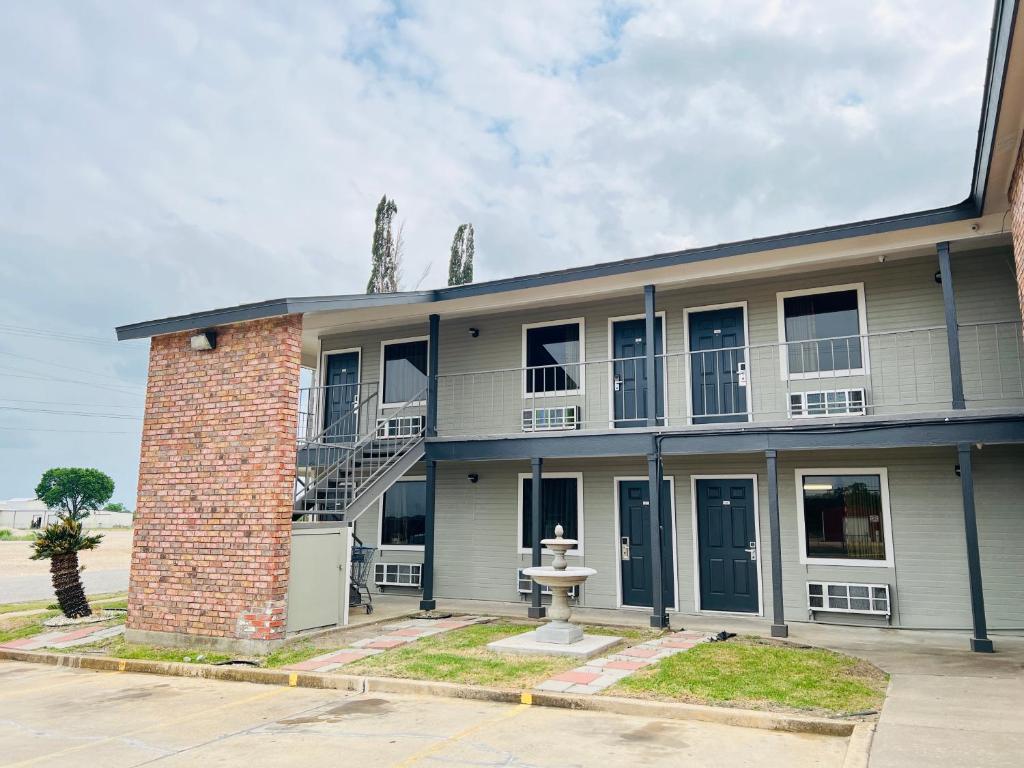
(860, 733)
(858, 750)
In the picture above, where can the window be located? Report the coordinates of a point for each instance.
(403, 370)
(403, 514)
(843, 516)
(561, 504)
(822, 331)
(552, 353)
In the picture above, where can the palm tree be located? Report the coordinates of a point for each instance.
(60, 543)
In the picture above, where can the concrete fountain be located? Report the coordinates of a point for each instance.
(558, 636)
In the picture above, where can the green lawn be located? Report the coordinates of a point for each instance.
(754, 674)
(119, 649)
(461, 656)
(24, 626)
(7, 535)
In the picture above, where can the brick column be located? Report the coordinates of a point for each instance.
(216, 480)
(1016, 221)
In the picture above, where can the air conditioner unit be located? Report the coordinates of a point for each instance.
(524, 585)
(400, 426)
(847, 597)
(551, 419)
(832, 402)
(397, 574)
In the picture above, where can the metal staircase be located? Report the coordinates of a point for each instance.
(340, 480)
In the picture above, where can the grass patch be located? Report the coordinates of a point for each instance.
(24, 626)
(36, 605)
(7, 535)
(759, 675)
(293, 654)
(119, 649)
(461, 656)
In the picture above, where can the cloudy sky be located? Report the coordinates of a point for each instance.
(162, 158)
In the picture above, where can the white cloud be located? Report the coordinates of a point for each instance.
(158, 160)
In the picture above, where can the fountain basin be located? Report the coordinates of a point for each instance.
(550, 577)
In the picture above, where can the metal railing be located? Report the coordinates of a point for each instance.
(334, 475)
(339, 413)
(888, 373)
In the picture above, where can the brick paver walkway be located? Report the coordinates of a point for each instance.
(65, 638)
(598, 674)
(396, 635)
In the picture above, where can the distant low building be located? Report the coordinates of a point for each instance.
(26, 514)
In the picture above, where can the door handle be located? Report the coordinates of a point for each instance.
(625, 548)
(618, 383)
(741, 374)
(752, 550)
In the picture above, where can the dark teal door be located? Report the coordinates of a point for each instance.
(718, 362)
(341, 397)
(635, 543)
(727, 545)
(629, 375)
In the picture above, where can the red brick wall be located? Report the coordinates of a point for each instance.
(216, 478)
(1017, 223)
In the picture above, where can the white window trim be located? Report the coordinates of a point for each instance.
(384, 345)
(862, 322)
(695, 536)
(581, 322)
(611, 370)
(883, 475)
(380, 520)
(616, 542)
(578, 551)
(687, 355)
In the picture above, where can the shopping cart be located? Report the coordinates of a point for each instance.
(362, 558)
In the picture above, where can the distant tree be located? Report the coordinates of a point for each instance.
(384, 250)
(116, 506)
(73, 491)
(60, 542)
(460, 263)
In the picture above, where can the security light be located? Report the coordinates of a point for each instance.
(204, 341)
(473, 477)
(474, 332)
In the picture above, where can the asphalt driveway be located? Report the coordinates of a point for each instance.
(66, 717)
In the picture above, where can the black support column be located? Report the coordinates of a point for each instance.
(956, 377)
(980, 641)
(427, 603)
(537, 610)
(659, 618)
(779, 626)
(650, 361)
(435, 332)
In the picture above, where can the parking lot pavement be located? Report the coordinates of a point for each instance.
(67, 717)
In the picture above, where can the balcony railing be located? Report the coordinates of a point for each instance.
(890, 373)
(336, 413)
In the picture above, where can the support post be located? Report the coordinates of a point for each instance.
(659, 618)
(956, 376)
(427, 603)
(536, 610)
(980, 641)
(779, 626)
(650, 360)
(435, 328)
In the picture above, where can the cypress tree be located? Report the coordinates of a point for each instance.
(383, 269)
(460, 263)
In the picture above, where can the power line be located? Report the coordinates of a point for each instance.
(86, 414)
(51, 402)
(22, 330)
(75, 431)
(37, 377)
(75, 368)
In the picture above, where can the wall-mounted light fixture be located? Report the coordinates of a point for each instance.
(473, 477)
(956, 469)
(938, 277)
(474, 332)
(204, 341)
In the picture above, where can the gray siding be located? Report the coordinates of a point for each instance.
(477, 528)
(907, 373)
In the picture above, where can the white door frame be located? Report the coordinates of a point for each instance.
(696, 546)
(618, 554)
(322, 378)
(611, 364)
(746, 353)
